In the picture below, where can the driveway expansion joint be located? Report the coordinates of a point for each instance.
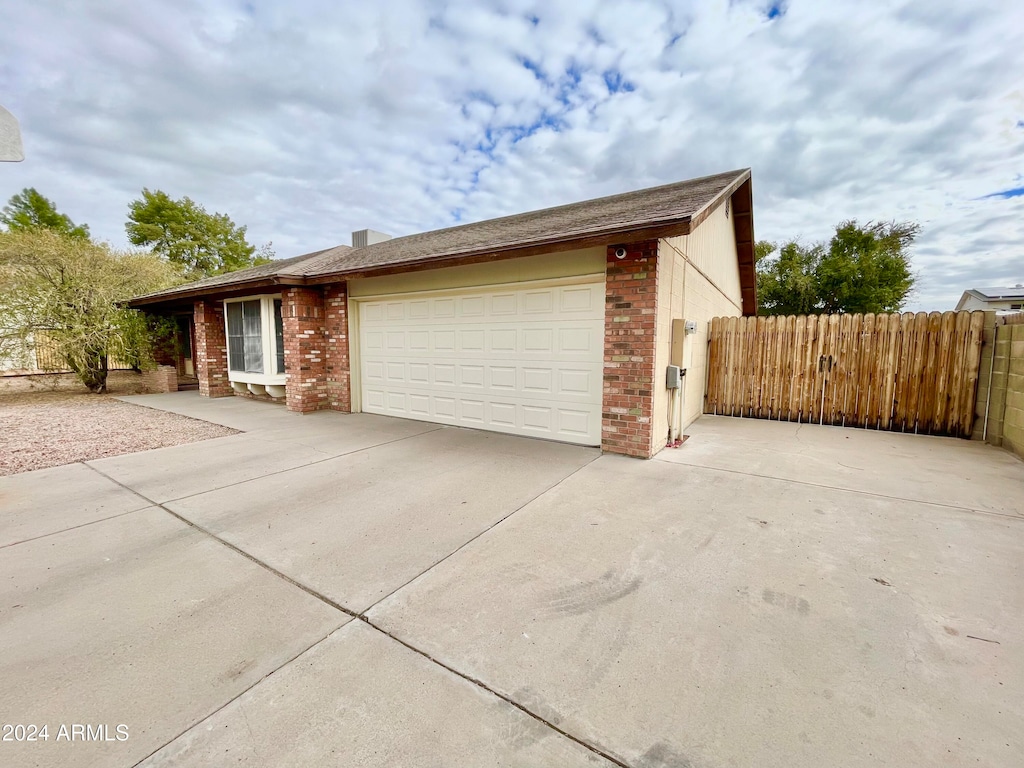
(362, 617)
(75, 527)
(958, 507)
(469, 541)
(508, 700)
(293, 469)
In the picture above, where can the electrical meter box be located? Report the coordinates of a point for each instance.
(673, 377)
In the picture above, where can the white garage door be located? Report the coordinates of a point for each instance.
(524, 360)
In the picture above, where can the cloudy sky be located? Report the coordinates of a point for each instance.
(307, 120)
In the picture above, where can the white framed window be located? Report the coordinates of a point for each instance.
(255, 336)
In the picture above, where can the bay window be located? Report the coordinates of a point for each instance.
(255, 336)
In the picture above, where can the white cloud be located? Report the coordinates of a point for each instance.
(308, 120)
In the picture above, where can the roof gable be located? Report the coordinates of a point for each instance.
(645, 213)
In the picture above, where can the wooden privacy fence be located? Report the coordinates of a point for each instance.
(909, 373)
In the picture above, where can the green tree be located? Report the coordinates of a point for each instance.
(29, 210)
(786, 283)
(182, 231)
(861, 269)
(69, 292)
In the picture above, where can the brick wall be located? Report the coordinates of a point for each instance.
(163, 378)
(211, 352)
(305, 348)
(338, 370)
(631, 303)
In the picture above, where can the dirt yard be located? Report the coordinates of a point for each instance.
(49, 428)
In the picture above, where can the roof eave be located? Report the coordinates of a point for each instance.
(742, 212)
(242, 286)
(615, 236)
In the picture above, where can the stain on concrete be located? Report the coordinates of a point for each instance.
(662, 755)
(789, 602)
(951, 631)
(521, 732)
(239, 669)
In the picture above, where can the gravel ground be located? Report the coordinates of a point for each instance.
(47, 429)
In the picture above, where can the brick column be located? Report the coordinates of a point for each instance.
(305, 350)
(211, 352)
(631, 298)
(339, 391)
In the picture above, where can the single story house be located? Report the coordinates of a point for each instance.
(559, 324)
(1004, 301)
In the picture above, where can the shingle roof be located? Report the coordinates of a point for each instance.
(263, 271)
(670, 204)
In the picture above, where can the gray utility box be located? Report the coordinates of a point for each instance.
(674, 376)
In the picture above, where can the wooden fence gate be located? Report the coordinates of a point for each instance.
(908, 373)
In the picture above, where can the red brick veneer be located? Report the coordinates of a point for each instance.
(631, 299)
(338, 370)
(211, 352)
(305, 348)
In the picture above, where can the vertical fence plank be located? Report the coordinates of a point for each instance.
(868, 374)
(729, 351)
(956, 385)
(926, 406)
(712, 367)
(796, 386)
(944, 372)
(787, 377)
(972, 361)
(888, 370)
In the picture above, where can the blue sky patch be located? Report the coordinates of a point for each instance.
(533, 66)
(1006, 194)
(776, 10)
(617, 83)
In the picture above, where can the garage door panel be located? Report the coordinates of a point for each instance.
(504, 304)
(471, 376)
(524, 361)
(541, 379)
(539, 418)
(582, 299)
(472, 410)
(503, 340)
(503, 377)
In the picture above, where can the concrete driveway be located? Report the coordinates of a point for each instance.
(357, 590)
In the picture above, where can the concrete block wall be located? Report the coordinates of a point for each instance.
(631, 306)
(1000, 405)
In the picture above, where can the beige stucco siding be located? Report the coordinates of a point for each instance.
(590, 261)
(698, 279)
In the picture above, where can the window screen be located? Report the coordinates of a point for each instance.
(245, 342)
(279, 336)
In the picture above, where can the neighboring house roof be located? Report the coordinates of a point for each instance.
(669, 210)
(992, 294)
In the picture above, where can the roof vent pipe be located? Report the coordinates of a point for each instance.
(365, 237)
